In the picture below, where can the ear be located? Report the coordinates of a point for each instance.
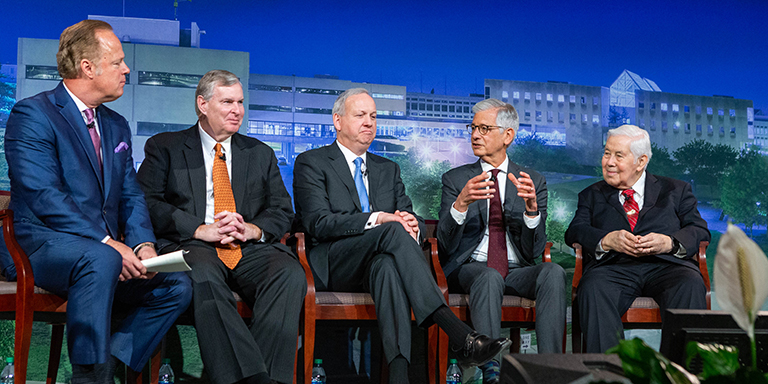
(87, 68)
(509, 136)
(337, 121)
(641, 163)
(202, 105)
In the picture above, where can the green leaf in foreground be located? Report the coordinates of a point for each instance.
(717, 359)
(643, 365)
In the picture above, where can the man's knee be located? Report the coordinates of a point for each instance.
(488, 281)
(179, 288)
(292, 275)
(552, 275)
(394, 231)
(102, 263)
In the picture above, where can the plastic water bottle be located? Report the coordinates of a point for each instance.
(318, 373)
(7, 376)
(453, 375)
(166, 373)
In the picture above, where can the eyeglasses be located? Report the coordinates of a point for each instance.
(482, 128)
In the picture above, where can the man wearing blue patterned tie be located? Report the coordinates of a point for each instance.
(365, 237)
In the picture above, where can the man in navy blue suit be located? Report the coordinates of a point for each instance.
(639, 233)
(79, 213)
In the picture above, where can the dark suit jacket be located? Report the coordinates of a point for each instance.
(458, 242)
(173, 178)
(669, 208)
(56, 184)
(327, 204)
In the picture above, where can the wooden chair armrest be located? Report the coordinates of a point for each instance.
(437, 269)
(297, 242)
(702, 259)
(25, 280)
(547, 255)
(577, 271)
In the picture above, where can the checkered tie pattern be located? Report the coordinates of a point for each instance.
(90, 123)
(630, 207)
(497, 239)
(224, 200)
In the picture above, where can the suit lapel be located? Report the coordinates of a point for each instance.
(373, 182)
(652, 190)
(339, 165)
(75, 119)
(611, 195)
(107, 141)
(510, 192)
(240, 163)
(482, 204)
(193, 155)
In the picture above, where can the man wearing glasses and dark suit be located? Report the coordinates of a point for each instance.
(492, 227)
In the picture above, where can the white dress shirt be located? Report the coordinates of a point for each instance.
(350, 157)
(481, 252)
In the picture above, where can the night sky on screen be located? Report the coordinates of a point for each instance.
(691, 47)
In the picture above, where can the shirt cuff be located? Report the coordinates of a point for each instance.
(600, 252)
(105, 239)
(371, 223)
(263, 236)
(681, 252)
(531, 222)
(458, 216)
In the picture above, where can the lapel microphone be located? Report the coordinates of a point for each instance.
(223, 156)
(493, 178)
(364, 170)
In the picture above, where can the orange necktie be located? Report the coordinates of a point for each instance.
(224, 200)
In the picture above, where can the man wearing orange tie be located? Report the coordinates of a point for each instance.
(219, 195)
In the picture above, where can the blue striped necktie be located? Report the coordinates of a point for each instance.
(360, 185)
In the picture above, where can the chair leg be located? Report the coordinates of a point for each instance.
(154, 364)
(514, 335)
(309, 349)
(22, 339)
(54, 358)
(442, 363)
(432, 354)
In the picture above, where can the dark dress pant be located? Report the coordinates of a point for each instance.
(543, 282)
(387, 262)
(272, 283)
(607, 290)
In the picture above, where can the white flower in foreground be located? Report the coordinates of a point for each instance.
(741, 277)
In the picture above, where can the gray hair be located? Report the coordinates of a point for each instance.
(211, 80)
(506, 116)
(339, 106)
(641, 142)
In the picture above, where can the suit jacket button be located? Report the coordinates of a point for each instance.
(104, 212)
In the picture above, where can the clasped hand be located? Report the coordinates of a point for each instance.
(409, 222)
(228, 227)
(626, 242)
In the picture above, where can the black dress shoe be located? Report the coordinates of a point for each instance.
(480, 349)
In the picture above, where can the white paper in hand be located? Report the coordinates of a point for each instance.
(169, 262)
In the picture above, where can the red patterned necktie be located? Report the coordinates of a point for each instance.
(630, 207)
(224, 200)
(497, 241)
(89, 121)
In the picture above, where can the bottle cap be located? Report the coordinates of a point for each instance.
(318, 361)
(453, 361)
(9, 359)
(166, 361)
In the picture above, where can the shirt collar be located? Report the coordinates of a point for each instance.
(80, 105)
(209, 143)
(350, 156)
(503, 167)
(639, 186)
